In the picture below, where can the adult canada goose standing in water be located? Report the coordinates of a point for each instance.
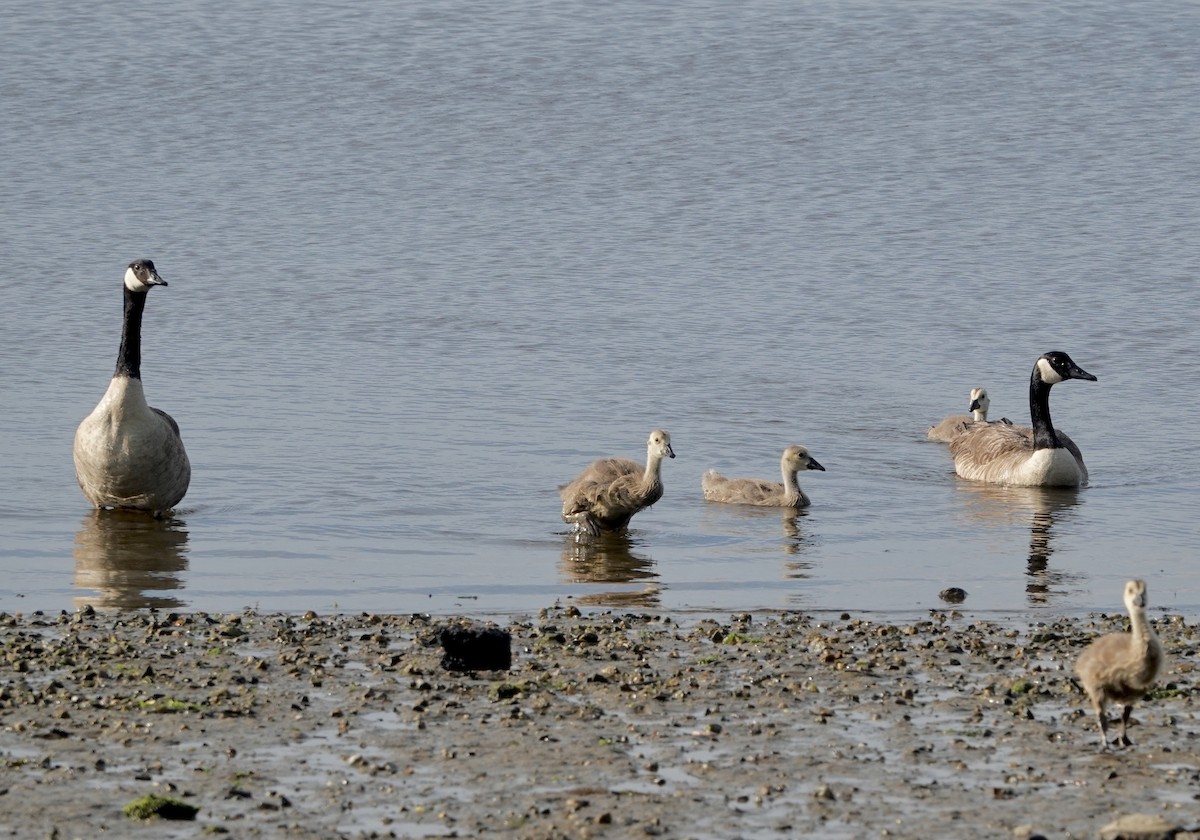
(1121, 667)
(956, 424)
(610, 491)
(1003, 454)
(127, 454)
(755, 491)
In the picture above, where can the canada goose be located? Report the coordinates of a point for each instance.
(956, 424)
(1121, 666)
(755, 491)
(610, 491)
(1004, 454)
(127, 454)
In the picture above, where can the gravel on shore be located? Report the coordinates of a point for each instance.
(607, 725)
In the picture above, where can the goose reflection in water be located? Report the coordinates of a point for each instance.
(126, 557)
(610, 559)
(795, 544)
(1041, 508)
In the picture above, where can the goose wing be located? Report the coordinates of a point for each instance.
(985, 448)
(170, 420)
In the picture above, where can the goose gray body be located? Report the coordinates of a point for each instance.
(1037, 457)
(127, 453)
(756, 491)
(1121, 667)
(606, 495)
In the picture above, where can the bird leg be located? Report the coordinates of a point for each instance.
(1103, 721)
(1124, 739)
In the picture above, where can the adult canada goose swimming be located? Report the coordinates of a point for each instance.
(1121, 667)
(956, 424)
(127, 454)
(610, 491)
(1003, 454)
(755, 491)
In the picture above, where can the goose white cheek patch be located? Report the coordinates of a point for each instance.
(1049, 374)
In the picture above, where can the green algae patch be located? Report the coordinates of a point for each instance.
(168, 705)
(164, 807)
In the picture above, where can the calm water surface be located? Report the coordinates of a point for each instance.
(426, 262)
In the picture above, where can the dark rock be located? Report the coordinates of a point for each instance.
(476, 649)
(953, 595)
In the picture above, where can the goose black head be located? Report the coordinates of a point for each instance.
(141, 275)
(1056, 366)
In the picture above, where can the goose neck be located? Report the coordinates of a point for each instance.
(791, 485)
(1142, 632)
(1146, 646)
(129, 357)
(1039, 413)
(653, 468)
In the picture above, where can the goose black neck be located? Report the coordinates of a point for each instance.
(129, 357)
(1039, 413)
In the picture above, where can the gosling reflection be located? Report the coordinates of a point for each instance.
(126, 557)
(795, 544)
(1041, 507)
(610, 558)
(746, 524)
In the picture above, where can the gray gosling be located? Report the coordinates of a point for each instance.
(1002, 454)
(956, 424)
(1120, 667)
(755, 491)
(606, 495)
(128, 454)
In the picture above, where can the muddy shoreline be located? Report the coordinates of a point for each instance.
(607, 725)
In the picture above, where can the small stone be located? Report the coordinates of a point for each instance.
(953, 595)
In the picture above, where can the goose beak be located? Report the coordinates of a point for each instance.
(1076, 372)
(670, 451)
(155, 280)
(974, 406)
(813, 464)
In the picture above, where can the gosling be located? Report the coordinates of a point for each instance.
(755, 491)
(1120, 667)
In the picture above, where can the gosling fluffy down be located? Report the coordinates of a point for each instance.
(1121, 667)
(955, 424)
(754, 491)
(606, 495)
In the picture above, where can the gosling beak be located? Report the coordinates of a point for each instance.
(670, 451)
(974, 406)
(813, 464)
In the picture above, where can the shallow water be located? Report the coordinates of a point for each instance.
(426, 263)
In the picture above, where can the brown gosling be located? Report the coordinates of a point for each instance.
(1120, 667)
(606, 495)
(754, 491)
(956, 424)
